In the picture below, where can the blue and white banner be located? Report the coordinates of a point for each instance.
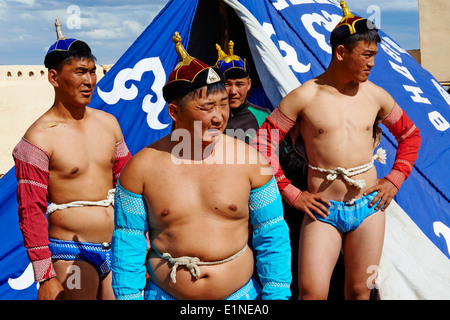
(285, 36)
(132, 89)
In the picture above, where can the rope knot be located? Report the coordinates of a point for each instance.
(342, 171)
(337, 171)
(191, 263)
(380, 156)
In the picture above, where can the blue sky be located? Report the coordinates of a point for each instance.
(111, 26)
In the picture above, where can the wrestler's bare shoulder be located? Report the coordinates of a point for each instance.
(40, 130)
(49, 124)
(298, 99)
(108, 120)
(244, 153)
(306, 91)
(256, 166)
(384, 101)
(148, 160)
(101, 115)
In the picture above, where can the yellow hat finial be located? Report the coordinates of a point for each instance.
(185, 58)
(348, 18)
(346, 10)
(221, 53)
(231, 47)
(227, 57)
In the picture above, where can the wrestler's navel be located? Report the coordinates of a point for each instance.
(165, 212)
(232, 207)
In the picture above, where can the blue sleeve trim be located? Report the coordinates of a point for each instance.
(271, 241)
(129, 244)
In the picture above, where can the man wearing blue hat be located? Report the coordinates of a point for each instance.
(245, 117)
(70, 157)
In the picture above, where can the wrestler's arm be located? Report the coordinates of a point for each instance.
(408, 138)
(267, 140)
(121, 157)
(32, 174)
(270, 241)
(129, 244)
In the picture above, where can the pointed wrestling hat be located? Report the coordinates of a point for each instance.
(232, 66)
(350, 24)
(63, 48)
(189, 74)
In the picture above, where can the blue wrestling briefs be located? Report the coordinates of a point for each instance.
(347, 217)
(250, 291)
(97, 254)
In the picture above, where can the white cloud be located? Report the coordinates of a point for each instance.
(29, 3)
(134, 26)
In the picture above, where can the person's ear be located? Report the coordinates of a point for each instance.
(174, 111)
(340, 52)
(53, 77)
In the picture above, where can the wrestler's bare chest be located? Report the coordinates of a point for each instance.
(196, 190)
(333, 125)
(75, 152)
(350, 114)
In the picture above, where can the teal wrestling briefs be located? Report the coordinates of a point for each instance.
(347, 217)
(250, 291)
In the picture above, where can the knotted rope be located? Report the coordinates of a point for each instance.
(380, 156)
(192, 263)
(52, 207)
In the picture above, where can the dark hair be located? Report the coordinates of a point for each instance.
(78, 56)
(210, 89)
(351, 41)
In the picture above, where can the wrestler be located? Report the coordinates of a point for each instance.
(196, 202)
(70, 157)
(245, 117)
(338, 114)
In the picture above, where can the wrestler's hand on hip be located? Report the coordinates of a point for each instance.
(50, 289)
(311, 203)
(386, 192)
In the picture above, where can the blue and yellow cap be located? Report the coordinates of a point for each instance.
(232, 66)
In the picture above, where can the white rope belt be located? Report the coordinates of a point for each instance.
(52, 207)
(380, 156)
(192, 263)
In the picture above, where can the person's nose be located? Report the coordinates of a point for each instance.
(218, 116)
(90, 79)
(233, 90)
